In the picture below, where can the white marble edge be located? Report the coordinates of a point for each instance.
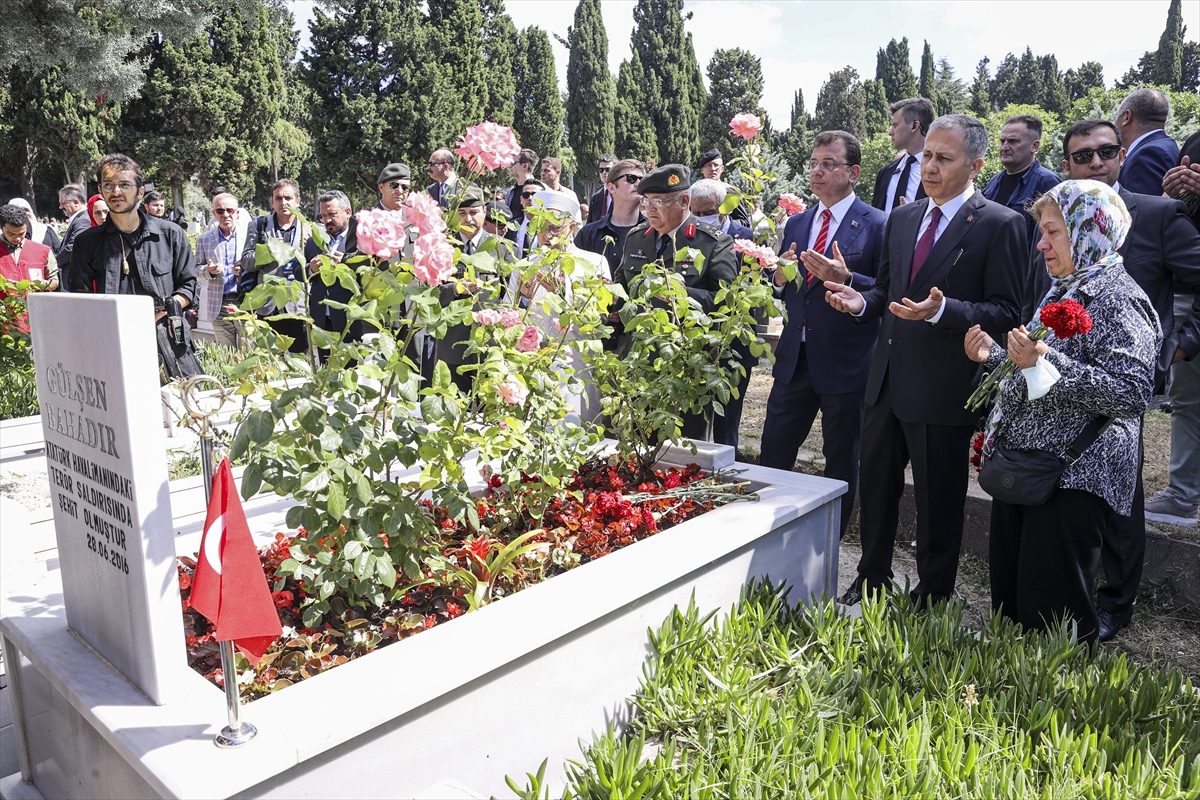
(170, 745)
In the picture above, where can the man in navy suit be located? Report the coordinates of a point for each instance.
(947, 266)
(341, 226)
(822, 359)
(1149, 152)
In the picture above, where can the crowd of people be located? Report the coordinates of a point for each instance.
(899, 307)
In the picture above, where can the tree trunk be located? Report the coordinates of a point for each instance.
(177, 194)
(28, 159)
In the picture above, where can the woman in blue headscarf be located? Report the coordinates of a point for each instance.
(1044, 557)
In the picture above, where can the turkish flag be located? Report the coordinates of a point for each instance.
(230, 587)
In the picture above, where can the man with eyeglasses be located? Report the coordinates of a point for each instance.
(606, 235)
(823, 356)
(135, 253)
(282, 223)
(218, 265)
(1023, 179)
(900, 181)
(72, 200)
(670, 228)
(521, 171)
(445, 180)
(600, 203)
(1162, 254)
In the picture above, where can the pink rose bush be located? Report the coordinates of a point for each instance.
(530, 340)
(488, 316)
(792, 204)
(381, 232)
(433, 259)
(488, 146)
(423, 213)
(508, 317)
(764, 255)
(746, 126)
(512, 391)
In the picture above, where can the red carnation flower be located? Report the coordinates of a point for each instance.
(1066, 319)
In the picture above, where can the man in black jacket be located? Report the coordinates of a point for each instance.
(72, 199)
(600, 203)
(900, 181)
(338, 218)
(947, 265)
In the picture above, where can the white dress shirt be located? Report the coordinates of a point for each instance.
(837, 212)
(950, 209)
(914, 180)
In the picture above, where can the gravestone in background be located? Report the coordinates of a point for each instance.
(98, 392)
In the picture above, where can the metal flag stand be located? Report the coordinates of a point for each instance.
(238, 732)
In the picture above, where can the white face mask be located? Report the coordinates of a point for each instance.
(711, 219)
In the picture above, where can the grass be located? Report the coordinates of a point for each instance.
(779, 701)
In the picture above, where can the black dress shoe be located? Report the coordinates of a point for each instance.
(1112, 622)
(852, 596)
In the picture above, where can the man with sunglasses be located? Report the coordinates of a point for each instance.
(524, 240)
(600, 203)
(521, 171)
(606, 235)
(394, 184)
(900, 181)
(218, 264)
(1162, 254)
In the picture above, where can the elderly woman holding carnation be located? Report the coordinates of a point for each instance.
(1085, 365)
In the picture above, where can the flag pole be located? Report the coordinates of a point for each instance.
(238, 732)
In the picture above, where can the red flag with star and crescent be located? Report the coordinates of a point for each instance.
(230, 587)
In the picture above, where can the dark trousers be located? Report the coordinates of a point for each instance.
(1123, 550)
(791, 410)
(1044, 560)
(295, 329)
(939, 464)
(725, 426)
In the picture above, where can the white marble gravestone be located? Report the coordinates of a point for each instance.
(98, 390)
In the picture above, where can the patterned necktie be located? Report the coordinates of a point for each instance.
(902, 184)
(926, 243)
(822, 239)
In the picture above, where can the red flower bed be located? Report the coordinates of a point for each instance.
(608, 508)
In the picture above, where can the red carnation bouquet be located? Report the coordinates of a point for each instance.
(1066, 318)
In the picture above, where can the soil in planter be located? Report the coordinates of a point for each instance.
(610, 507)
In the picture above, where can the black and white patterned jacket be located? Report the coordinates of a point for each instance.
(1106, 372)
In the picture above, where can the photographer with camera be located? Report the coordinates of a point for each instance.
(135, 253)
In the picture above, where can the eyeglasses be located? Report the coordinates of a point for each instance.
(658, 202)
(825, 165)
(398, 185)
(1107, 153)
(437, 163)
(124, 186)
(528, 195)
(629, 178)
(223, 211)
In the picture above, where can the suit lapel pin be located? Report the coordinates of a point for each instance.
(970, 219)
(853, 223)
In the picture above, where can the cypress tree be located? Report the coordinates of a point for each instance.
(1168, 60)
(794, 143)
(876, 117)
(1078, 83)
(672, 78)
(289, 147)
(591, 95)
(456, 56)
(928, 85)
(538, 116)
(841, 103)
(633, 125)
(499, 43)
(1005, 87)
(951, 91)
(894, 69)
(1054, 97)
(1029, 82)
(981, 101)
(735, 87)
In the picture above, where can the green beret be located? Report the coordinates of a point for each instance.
(395, 172)
(667, 178)
(499, 212)
(473, 196)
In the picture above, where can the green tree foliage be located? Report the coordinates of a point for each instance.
(1168, 60)
(950, 93)
(928, 86)
(1189, 76)
(538, 117)
(893, 67)
(635, 134)
(365, 69)
(1079, 82)
(795, 143)
(877, 152)
(97, 44)
(876, 117)
(289, 145)
(207, 102)
(499, 42)
(455, 57)
(981, 98)
(672, 79)
(591, 95)
(735, 86)
(841, 104)
(1005, 87)
(1054, 96)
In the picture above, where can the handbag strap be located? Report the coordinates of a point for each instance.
(1086, 438)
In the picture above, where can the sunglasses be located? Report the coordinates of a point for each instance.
(224, 211)
(397, 185)
(629, 178)
(528, 195)
(1108, 152)
(604, 169)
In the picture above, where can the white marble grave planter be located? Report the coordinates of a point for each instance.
(491, 693)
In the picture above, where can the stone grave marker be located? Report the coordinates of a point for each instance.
(98, 391)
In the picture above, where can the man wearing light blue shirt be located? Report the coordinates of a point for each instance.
(218, 256)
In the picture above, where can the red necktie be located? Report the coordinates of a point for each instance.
(925, 244)
(822, 239)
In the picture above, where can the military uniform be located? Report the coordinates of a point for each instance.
(644, 244)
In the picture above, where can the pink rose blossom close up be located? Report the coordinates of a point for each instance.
(509, 317)
(381, 232)
(512, 391)
(746, 126)
(423, 213)
(433, 259)
(764, 255)
(488, 316)
(530, 340)
(488, 146)
(792, 204)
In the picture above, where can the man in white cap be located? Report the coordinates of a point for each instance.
(37, 231)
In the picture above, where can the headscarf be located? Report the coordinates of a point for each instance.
(37, 230)
(91, 204)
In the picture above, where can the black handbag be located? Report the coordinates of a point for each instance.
(1029, 477)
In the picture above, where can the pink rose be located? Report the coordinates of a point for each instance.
(531, 339)
(488, 316)
(381, 232)
(746, 126)
(422, 212)
(488, 146)
(509, 317)
(792, 204)
(512, 391)
(764, 255)
(433, 259)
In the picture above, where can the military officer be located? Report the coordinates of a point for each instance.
(671, 227)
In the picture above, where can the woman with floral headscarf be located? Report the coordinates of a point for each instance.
(1044, 557)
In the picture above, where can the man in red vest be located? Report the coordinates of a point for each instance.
(23, 259)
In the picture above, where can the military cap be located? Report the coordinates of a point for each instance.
(711, 155)
(499, 212)
(665, 179)
(393, 172)
(471, 197)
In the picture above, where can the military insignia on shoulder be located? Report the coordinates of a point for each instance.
(711, 230)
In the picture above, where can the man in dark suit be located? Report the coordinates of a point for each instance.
(1161, 253)
(1149, 152)
(521, 170)
(947, 265)
(822, 358)
(900, 181)
(600, 203)
(446, 183)
(339, 222)
(73, 201)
